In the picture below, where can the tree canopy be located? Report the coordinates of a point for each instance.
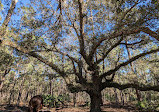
(91, 41)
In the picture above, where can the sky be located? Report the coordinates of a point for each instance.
(17, 17)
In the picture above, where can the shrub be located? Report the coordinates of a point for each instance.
(53, 101)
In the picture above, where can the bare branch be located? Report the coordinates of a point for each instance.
(154, 61)
(126, 63)
(131, 44)
(75, 30)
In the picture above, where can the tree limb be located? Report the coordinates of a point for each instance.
(150, 32)
(131, 85)
(126, 63)
(126, 12)
(131, 44)
(81, 37)
(33, 54)
(113, 75)
(53, 66)
(60, 52)
(109, 50)
(127, 33)
(7, 19)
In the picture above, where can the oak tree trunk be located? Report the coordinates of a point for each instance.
(96, 101)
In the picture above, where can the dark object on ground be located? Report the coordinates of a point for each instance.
(35, 103)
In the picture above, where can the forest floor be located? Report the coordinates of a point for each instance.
(108, 107)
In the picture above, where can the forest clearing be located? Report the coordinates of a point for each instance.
(79, 55)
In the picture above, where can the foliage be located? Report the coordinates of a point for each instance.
(49, 100)
(146, 106)
(5, 60)
(53, 101)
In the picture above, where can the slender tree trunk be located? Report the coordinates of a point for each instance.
(149, 97)
(3, 77)
(122, 97)
(116, 95)
(74, 99)
(138, 95)
(50, 92)
(1, 85)
(20, 91)
(12, 93)
(134, 70)
(26, 97)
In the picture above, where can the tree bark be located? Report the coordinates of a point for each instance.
(116, 95)
(74, 100)
(96, 99)
(20, 91)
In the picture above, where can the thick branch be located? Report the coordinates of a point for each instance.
(125, 13)
(7, 19)
(60, 52)
(80, 80)
(131, 44)
(109, 50)
(113, 75)
(127, 62)
(81, 37)
(35, 55)
(127, 33)
(74, 88)
(53, 66)
(129, 85)
(150, 32)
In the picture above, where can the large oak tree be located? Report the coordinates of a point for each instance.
(83, 34)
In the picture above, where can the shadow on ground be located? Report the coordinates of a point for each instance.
(13, 108)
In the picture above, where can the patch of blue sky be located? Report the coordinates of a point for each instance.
(124, 71)
(6, 5)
